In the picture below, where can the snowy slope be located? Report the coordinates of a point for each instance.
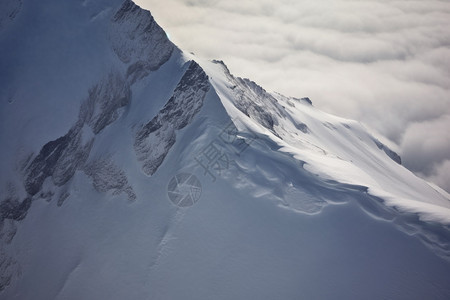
(332, 147)
(132, 170)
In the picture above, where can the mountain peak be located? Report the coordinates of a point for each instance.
(128, 165)
(138, 40)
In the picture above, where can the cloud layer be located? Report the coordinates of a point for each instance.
(383, 62)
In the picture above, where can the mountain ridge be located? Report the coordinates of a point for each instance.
(151, 112)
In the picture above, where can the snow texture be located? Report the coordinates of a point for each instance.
(308, 205)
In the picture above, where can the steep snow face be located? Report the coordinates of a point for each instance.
(127, 33)
(285, 201)
(142, 46)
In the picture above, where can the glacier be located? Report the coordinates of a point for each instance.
(104, 122)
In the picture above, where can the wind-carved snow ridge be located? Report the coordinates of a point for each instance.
(155, 139)
(330, 144)
(139, 41)
(285, 181)
(268, 110)
(9, 11)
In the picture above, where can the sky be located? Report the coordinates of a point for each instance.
(385, 63)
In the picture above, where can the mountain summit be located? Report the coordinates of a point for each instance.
(133, 170)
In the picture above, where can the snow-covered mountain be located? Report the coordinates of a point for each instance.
(133, 170)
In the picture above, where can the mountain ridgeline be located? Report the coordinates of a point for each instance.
(105, 121)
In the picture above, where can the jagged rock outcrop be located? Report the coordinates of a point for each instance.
(304, 100)
(392, 154)
(8, 229)
(58, 159)
(256, 102)
(252, 104)
(155, 139)
(106, 176)
(8, 269)
(12, 209)
(139, 41)
(105, 98)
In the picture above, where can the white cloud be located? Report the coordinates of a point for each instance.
(441, 175)
(383, 62)
(431, 138)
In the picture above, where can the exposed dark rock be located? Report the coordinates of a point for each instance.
(302, 127)
(59, 159)
(62, 157)
(13, 209)
(107, 176)
(155, 139)
(392, 154)
(62, 198)
(44, 164)
(72, 159)
(329, 125)
(304, 99)
(8, 229)
(253, 100)
(105, 98)
(139, 41)
(253, 106)
(8, 268)
(47, 195)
